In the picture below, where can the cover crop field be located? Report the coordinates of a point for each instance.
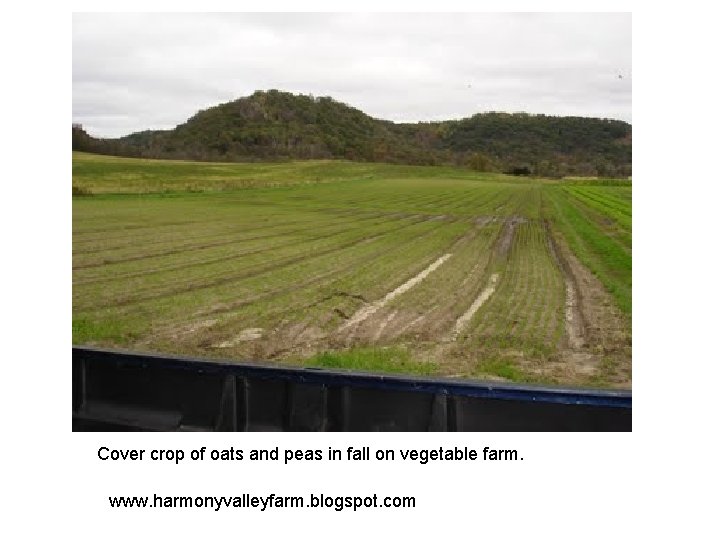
(366, 266)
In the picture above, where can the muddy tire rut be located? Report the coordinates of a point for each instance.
(597, 339)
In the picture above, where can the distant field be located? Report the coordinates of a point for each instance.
(369, 266)
(97, 174)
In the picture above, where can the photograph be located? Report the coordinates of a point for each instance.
(352, 222)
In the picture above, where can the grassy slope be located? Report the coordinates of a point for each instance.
(96, 174)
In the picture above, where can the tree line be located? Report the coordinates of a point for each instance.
(274, 125)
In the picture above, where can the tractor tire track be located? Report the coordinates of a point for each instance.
(366, 311)
(574, 320)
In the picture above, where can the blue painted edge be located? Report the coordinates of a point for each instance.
(451, 387)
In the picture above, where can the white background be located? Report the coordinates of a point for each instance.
(658, 482)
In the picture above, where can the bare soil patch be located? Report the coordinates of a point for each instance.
(248, 334)
(178, 332)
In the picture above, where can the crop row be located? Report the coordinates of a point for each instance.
(525, 312)
(609, 258)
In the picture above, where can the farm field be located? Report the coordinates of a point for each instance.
(369, 266)
(97, 174)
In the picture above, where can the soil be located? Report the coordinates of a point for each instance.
(175, 333)
(249, 334)
(507, 235)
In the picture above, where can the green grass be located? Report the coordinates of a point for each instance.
(88, 329)
(387, 360)
(501, 368)
(95, 174)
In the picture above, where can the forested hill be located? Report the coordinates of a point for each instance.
(278, 125)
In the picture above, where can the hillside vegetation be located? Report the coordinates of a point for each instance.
(273, 125)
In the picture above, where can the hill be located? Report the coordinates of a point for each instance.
(274, 125)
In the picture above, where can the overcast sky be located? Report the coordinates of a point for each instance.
(152, 71)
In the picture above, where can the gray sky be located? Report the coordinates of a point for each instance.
(152, 71)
